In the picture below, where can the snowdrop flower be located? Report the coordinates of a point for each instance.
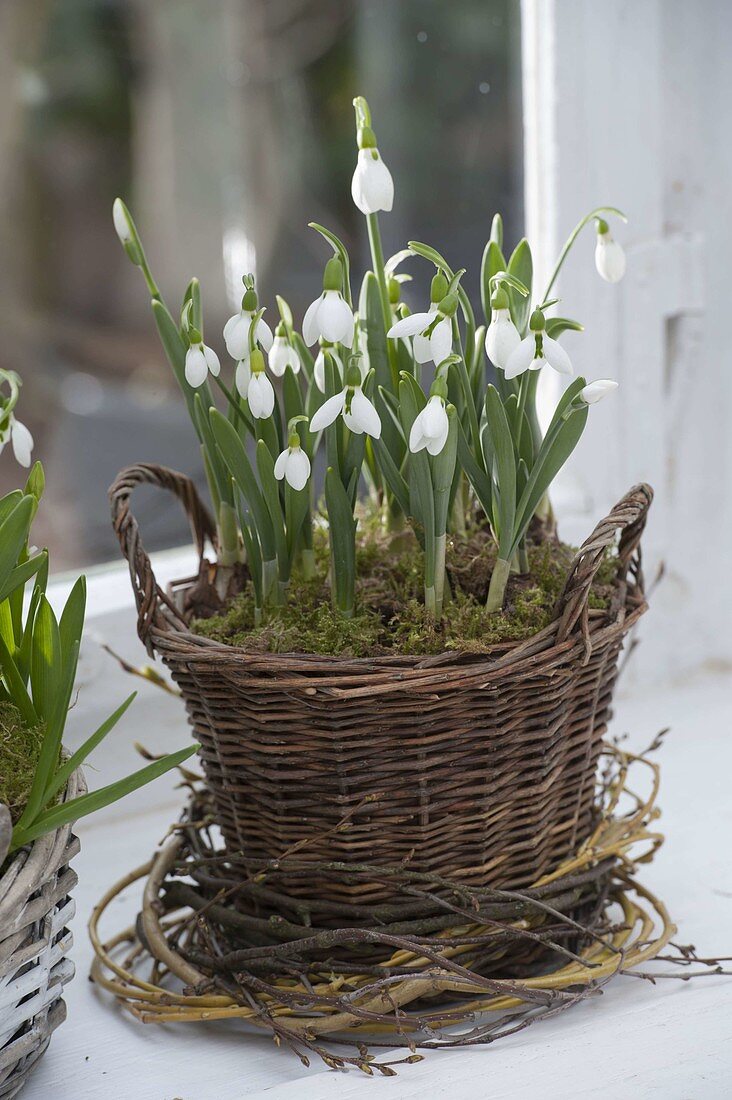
(236, 329)
(259, 392)
(200, 359)
(359, 415)
(536, 350)
(431, 425)
(609, 255)
(282, 354)
(502, 337)
(329, 317)
(372, 187)
(431, 330)
(20, 438)
(319, 366)
(595, 391)
(293, 465)
(121, 220)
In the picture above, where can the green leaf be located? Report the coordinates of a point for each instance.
(8, 503)
(505, 464)
(250, 539)
(342, 528)
(392, 475)
(493, 261)
(556, 449)
(522, 266)
(234, 454)
(342, 252)
(71, 628)
(297, 506)
(86, 804)
(61, 778)
(22, 574)
(17, 692)
(372, 323)
(555, 326)
(271, 494)
(14, 536)
(497, 230)
(443, 472)
(46, 667)
(477, 476)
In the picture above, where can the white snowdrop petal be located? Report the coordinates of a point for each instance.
(437, 442)
(319, 371)
(212, 360)
(412, 325)
(260, 396)
(264, 334)
(372, 187)
(556, 356)
(196, 368)
(441, 341)
(595, 391)
(363, 417)
(22, 442)
(242, 377)
(278, 356)
(298, 468)
(433, 417)
(501, 339)
(335, 319)
(327, 412)
(121, 225)
(421, 349)
(521, 357)
(609, 258)
(281, 464)
(347, 337)
(310, 329)
(236, 335)
(417, 438)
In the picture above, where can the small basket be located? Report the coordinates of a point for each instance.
(478, 767)
(35, 910)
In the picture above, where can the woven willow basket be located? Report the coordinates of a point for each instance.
(481, 768)
(35, 909)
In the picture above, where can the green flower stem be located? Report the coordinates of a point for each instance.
(497, 587)
(573, 237)
(228, 535)
(439, 587)
(377, 259)
(270, 587)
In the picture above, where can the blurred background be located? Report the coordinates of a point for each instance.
(226, 126)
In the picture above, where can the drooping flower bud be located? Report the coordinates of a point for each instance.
(595, 391)
(609, 255)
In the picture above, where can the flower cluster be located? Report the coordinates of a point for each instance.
(436, 413)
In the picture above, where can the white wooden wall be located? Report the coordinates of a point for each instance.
(629, 102)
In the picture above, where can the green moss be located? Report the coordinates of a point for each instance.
(390, 614)
(20, 749)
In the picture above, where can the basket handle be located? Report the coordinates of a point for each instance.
(148, 594)
(629, 517)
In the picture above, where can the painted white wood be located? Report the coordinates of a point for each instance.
(628, 103)
(673, 1040)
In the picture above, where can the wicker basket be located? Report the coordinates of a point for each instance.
(478, 767)
(35, 909)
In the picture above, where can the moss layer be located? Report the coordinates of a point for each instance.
(391, 617)
(20, 748)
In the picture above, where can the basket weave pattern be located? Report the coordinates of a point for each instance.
(35, 909)
(478, 767)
